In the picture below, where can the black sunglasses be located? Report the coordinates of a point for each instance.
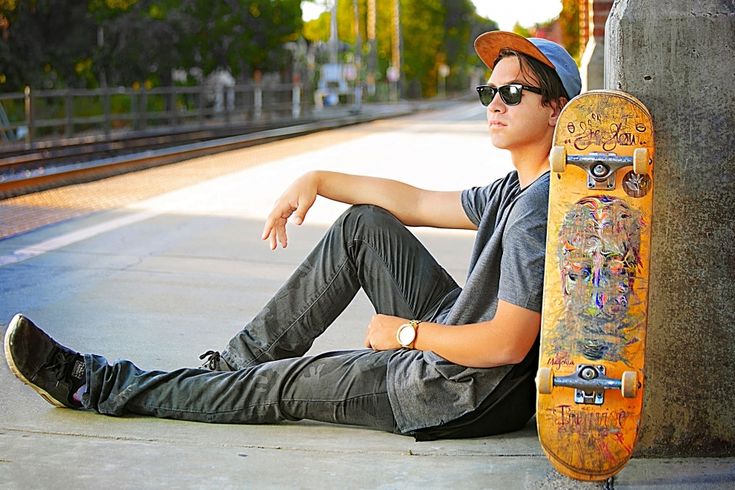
(510, 94)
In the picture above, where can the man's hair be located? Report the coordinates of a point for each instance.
(547, 78)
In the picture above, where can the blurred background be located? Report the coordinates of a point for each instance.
(70, 68)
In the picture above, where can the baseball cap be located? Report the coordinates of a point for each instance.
(489, 45)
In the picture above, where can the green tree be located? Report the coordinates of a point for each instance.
(241, 35)
(59, 43)
(139, 41)
(569, 21)
(462, 26)
(433, 32)
(423, 35)
(45, 43)
(317, 30)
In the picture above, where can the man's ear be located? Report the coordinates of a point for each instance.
(557, 106)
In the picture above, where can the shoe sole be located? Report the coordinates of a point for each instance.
(11, 364)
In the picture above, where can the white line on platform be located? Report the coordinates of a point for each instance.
(75, 236)
(424, 154)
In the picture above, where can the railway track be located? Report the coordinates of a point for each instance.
(22, 172)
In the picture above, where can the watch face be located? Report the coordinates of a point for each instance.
(406, 335)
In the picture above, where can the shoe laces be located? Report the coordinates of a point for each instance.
(213, 360)
(66, 366)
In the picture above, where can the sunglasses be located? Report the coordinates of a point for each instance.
(510, 94)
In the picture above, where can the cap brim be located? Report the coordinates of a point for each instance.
(489, 45)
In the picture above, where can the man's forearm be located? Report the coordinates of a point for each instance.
(506, 339)
(394, 196)
(413, 206)
(474, 345)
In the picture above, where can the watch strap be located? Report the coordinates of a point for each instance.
(415, 325)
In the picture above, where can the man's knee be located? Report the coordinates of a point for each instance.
(368, 216)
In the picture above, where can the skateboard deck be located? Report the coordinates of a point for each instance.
(591, 365)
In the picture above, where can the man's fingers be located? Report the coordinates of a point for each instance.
(272, 240)
(267, 229)
(274, 237)
(274, 231)
(281, 235)
(300, 214)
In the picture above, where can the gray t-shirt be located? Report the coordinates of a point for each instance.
(507, 263)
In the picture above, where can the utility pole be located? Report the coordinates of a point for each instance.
(372, 56)
(100, 47)
(394, 72)
(358, 57)
(333, 33)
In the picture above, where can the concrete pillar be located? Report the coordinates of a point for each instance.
(677, 57)
(593, 58)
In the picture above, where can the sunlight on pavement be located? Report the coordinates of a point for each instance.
(426, 152)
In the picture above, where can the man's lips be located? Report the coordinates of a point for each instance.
(496, 124)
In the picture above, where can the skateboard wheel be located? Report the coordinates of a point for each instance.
(629, 384)
(640, 161)
(545, 380)
(558, 159)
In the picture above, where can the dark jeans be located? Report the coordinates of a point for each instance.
(365, 248)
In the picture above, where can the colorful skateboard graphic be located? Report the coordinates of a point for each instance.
(591, 366)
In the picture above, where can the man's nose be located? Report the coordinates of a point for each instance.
(496, 105)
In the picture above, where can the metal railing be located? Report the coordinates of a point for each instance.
(35, 115)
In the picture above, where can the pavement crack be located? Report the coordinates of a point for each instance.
(82, 436)
(406, 451)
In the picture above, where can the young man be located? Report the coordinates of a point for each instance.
(441, 361)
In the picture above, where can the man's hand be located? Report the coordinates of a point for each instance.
(381, 334)
(296, 200)
(506, 339)
(411, 205)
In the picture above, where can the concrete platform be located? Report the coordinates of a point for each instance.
(162, 278)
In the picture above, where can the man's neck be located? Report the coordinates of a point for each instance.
(530, 164)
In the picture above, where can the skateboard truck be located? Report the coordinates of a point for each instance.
(589, 383)
(600, 167)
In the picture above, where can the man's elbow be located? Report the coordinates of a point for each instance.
(504, 357)
(516, 353)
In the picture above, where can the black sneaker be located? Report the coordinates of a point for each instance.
(54, 371)
(215, 362)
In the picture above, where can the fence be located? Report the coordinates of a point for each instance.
(48, 114)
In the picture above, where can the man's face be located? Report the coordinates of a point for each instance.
(518, 126)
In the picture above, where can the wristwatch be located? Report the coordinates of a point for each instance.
(406, 334)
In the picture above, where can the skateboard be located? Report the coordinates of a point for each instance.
(593, 335)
